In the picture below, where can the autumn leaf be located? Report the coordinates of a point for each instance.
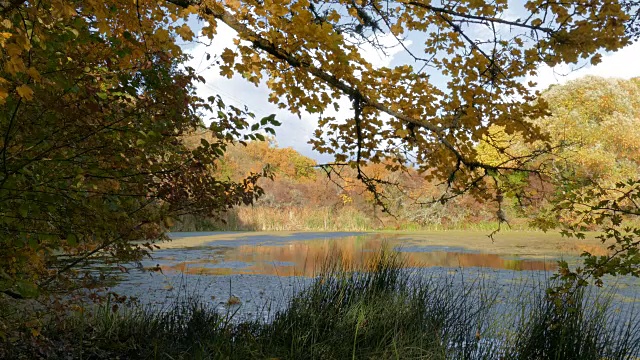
(185, 32)
(25, 92)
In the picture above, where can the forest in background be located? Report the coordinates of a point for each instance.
(594, 138)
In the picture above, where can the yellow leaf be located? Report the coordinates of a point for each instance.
(14, 65)
(162, 35)
(278, 10)
(25, 92)
(333, 16)
(397, 29)
(228, 56)
(233, 4)
(3, 95)
(191, 9)
(185, 32)
(35, 74)
(13, 49)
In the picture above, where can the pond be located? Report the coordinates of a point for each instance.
(260, 271)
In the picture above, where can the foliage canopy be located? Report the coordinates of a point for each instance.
(589, 177)
(94, 107)
(464, 75)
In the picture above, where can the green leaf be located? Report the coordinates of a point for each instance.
(24, 210)
(26, 289)
(72, 240)
(4, 275)
(33, 242)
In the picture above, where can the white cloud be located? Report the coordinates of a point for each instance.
(621, 64)
(294, 132)
(378, 58)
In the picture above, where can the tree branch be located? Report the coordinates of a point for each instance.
(261, 43)
(480, 18)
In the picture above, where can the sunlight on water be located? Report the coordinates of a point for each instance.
(293, 257)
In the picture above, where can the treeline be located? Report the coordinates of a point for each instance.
(593, 137)
(304, 196)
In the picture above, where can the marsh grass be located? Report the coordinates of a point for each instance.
(377, 309)
(260, 218)
(282, 219)
(582, 324)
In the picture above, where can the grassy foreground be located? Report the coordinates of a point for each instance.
(381, 311)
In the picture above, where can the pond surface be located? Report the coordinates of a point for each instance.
(304, 254)
(264, 270)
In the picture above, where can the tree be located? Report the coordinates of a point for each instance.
(585, 109)
(95, 107)
(595, 176)
(590, 176)
(309, 53)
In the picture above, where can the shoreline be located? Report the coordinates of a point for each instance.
(521, 243)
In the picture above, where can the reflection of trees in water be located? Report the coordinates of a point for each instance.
(307, 258)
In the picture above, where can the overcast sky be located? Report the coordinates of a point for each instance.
(296, 132)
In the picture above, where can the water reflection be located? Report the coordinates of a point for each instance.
(306, 258)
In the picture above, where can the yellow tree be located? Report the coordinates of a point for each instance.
(596, 170)
(590, 167)
(597, 121)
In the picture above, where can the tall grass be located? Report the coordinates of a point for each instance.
(581, 324)
(262, 218)
(283, 219)
(376, 310)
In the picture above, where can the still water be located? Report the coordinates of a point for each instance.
(304, 254)
(262, 271)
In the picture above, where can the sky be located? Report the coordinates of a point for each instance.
(296, 132)
(624, 64)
